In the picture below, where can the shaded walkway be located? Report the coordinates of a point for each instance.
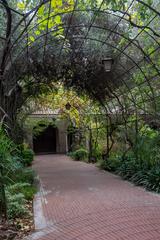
(80, 202)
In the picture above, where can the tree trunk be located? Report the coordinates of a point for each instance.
(7, 110)
(8, 115)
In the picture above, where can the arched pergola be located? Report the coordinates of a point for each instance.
(51, 41)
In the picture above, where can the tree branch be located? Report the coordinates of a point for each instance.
(138, 26)
(8, 34)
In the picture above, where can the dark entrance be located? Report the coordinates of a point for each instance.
(46, 141)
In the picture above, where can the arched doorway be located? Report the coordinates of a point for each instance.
(45, 142)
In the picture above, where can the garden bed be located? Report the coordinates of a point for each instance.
(20, 227)
(17, 189)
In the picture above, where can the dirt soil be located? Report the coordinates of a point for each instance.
(19, 228)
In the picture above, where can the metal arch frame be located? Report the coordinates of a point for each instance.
(46, 1)
(68, 13)
(111, 32)
(80, 11)
(54, 31)
(131, 41)
(130, 99)
(97, 27)
(112, 46)
(129, 88)
(127, 39)
(94, 40)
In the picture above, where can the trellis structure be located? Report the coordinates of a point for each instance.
(47, 41)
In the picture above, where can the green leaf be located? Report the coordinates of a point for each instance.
(56, 3)
(57, 20)
(21, 5)
(150, 50)
(50, 23)
(41, 10)
(59, 3)
(32, 38)
(53, 4)
(37, 32)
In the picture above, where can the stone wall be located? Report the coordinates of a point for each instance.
(61, 138)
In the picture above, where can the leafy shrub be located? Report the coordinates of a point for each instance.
(147, 146)
(111, 164)
(134, 170)
(102, 164)
(128, 167)
(25, 188)
(29, 192)
(17, 162)
(16, 205)
(26, 175)
(153, 179)
(97, 153)
(7, 165)
(114, 163)
(139, 178)
(80, 154)
(27, 157)
(13, 197)
(150, 179)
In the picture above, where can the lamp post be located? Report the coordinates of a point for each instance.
(107, 64)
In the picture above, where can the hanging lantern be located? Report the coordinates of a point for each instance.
(107, 64)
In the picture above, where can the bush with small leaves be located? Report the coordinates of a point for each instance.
(27, 156)
(25, 188)
(110, 164)
(26, 175)
(102, 164)
(80, 155)
(16, 205)
(153, 179)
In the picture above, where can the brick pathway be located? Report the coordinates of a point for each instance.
(80, 202)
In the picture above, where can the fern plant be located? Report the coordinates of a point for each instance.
(6, 166)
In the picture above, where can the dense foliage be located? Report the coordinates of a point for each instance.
(139, 164)
(16, 181)
(79, 155)
(130, 150)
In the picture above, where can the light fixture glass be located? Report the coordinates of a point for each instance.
(107, 63)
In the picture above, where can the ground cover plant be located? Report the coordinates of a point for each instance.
(17, 189)
(141, 164)
(79, 155)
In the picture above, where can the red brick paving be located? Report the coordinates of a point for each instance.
(81, 202)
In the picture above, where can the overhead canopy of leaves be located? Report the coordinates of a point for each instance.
(47, 41)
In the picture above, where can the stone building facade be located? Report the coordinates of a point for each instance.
(54, 139)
